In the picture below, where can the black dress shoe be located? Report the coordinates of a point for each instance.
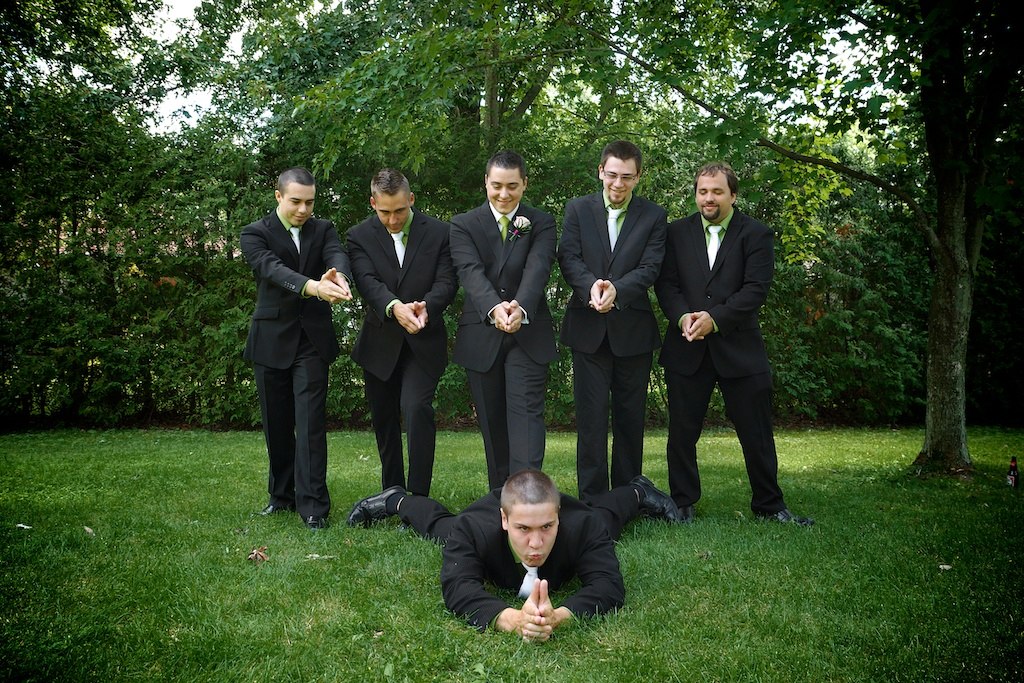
(372, 508)
(784, 516)
(315, 523)
(272, 508)
(656, 503)
(687, 513)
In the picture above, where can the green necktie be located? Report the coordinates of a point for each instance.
(504, 227)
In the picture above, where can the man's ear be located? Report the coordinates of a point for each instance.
(504, 520)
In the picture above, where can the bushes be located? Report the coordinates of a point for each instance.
(129, 340)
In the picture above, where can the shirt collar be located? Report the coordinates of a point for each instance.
(725, 222)
(497, 214)
(286, 224)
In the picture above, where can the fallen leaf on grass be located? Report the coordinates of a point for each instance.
(314, 556)
(259, 554)
(88, 531)
(704, 555)
(945, 567)
(22, 526)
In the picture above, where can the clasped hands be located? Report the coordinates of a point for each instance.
(332, 287)
(508, 316)
(538, 618)
(411, 316)
(695, 326)
(602, 296)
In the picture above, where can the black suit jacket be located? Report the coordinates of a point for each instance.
(492, 271)
(732, 293)
(477, 551)
(281, 312)
(426, 275)
(585, 255)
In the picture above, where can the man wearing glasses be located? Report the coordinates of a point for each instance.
(610, 253)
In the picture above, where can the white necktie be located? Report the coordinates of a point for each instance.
(613, 225)
(399, 247)
(295, 237)
(713, 244)
(528, 581)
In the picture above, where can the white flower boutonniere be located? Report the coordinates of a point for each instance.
(520, 226)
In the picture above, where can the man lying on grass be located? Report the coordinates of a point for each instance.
(526, 537)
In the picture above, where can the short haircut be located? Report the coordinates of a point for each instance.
(388, 181)
(507, 159)
(714, 168)
(529, 487)
(296, 174)
(622, 149)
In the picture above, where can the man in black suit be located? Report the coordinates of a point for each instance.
(300, 269)
(403, 270)
(529, 538)
(503, 251)
(611, 250)
(718, 267)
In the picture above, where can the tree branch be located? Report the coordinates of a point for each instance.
(536, 86)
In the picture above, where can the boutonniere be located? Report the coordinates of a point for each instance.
(520, 226)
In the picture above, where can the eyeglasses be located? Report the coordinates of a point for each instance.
(625, 177)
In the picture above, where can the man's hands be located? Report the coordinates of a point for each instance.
(602, 296)
(411, 316)
(508, 316)
(332, 287)
(696, 325)
(537, 619)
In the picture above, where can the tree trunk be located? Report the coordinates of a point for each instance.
(492, 99)
(949, 318)
(945, 102)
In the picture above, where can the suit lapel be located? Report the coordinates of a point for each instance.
(700, 246)
(729, 240)
(412, 245)
(306, 235)
(509, 245)
(281, 238)
(386, 243)
(488, 235)
(600, 221)
(633, 214)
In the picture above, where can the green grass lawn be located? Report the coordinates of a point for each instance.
(135, 568)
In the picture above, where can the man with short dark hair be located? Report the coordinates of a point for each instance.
(503, 251)
(526, 537)
(613, 242)
(300, 269)
(718, 267)
(403, 270)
